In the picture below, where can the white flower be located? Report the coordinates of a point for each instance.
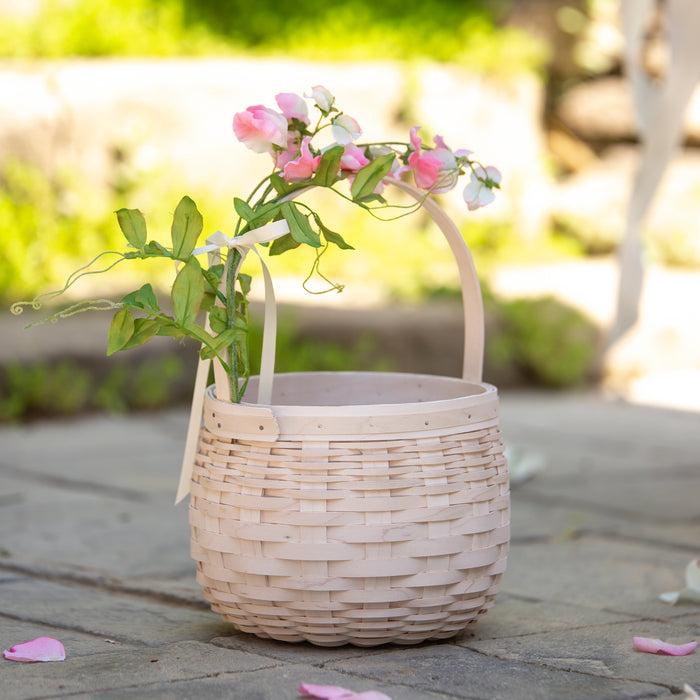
(322, 97)
(479, 192)
(345, 129)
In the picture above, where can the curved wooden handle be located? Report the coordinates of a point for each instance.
(473, 308)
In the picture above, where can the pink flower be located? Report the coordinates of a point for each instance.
(293, 107)
(426, 169)
(656, 646)
(353, 158)
(322, 97)
(281, 158)
(345, 129)
(260, 128)
(302, 167)
(436, 169)
(39, 649)
(479, 192)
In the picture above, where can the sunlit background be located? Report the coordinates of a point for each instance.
(113, 103)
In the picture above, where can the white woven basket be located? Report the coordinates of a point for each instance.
(356, 507)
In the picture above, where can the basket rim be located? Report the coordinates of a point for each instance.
(484, 391)
(358, 421)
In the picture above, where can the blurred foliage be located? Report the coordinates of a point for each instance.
(45, 230)
(549, 342)
(458, 31)
(70, 386)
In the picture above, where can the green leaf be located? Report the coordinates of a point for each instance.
(208, 300)
(299, 226)
(156, 250)
(335, 238)
(120, 330)
(328, 166)
(188, 291)
(172, 330)
(243, 209)
(370, 176)
(212, 277)
(221, 342)
(282, 244)
(187, 225)
(144, 298)
(281, 186)
(133, 226)
(218, 319)
(265, 213)
(144, 330)
(245, 281)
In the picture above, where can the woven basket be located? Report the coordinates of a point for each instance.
(356, 507)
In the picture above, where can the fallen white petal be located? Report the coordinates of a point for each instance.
(690, 694)
(39, 649)
(691, 593)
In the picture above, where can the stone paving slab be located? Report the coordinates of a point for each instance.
(463, 673)
(277, 683)
(109, 614)
(93, 552)
(605, 650)
(573, 516)
(103, 535)
(600, 573)
(128, 669)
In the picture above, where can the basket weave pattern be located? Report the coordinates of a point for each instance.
(362, 539)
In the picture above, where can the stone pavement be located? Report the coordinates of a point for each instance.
(93, 552)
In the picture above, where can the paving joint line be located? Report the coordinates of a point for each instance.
(674, 689)
(107, 585)
(72, 485)
(74, 628)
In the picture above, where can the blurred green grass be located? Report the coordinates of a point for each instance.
(458, 31)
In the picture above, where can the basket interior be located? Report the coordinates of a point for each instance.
(362, 388)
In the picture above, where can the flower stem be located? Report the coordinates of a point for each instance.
(233, 263)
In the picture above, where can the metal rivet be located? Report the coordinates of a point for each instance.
(261, 427)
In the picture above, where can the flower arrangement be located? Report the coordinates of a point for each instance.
(270, 216)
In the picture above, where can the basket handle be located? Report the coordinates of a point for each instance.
(472, 304)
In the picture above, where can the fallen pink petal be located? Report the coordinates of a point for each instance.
(39, 649)
(334, 692)
(657, 646)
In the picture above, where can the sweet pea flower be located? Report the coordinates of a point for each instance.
(281, 158)
(345, 129)
(353, 158)
(435, 169)
(293, 107)
(479, 192)
(302, 167)
(425, 167)
(260, 129)
(322, 97)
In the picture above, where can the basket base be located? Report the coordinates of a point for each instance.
(335, 631)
